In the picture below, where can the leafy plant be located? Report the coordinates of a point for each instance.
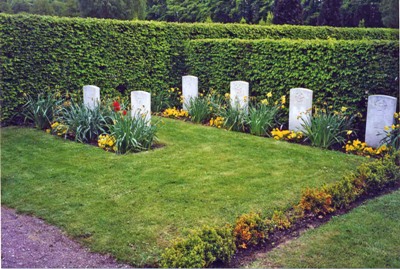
(200, 249)
(200, 109)
(131, 134)
(326, 129)
(345, 191)
(83, 123)
(316, 201)
(250, 230)
(234, 118)
(41, 110)
(392, 134)
(163, 99)
(280, 220)
(261, 118)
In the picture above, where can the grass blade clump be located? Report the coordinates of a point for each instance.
(85, 124)
(200, 110)
(132, 134)
(261, 119)
(326, 129)
(41, 110)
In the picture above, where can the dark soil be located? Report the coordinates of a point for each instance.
(28, 242)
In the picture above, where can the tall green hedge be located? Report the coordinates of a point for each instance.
(47, 53)
(341, 73)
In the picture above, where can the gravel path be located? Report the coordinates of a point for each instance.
(28, 242)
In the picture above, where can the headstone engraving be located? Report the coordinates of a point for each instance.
(380, 113)
(239, 94)
(300, 105)
(91, 96)
(141, 105)
(190, 90)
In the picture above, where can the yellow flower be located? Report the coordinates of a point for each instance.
(269, 95)
(283, 99)
(48, 131)
(396, 115)
(264, 101)
(343, 109)
(393, 127)
(349, 132)
(386, 128)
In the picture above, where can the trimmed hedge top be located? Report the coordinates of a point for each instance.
(218, 30)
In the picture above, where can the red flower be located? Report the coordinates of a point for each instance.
(116, 106)
(124, 112)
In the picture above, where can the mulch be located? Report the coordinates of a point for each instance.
(29, 242)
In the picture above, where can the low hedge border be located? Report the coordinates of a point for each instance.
(207, 246)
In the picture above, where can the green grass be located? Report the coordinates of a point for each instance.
(367, 237)
(132, 205)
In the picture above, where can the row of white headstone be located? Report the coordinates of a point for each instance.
(380, 111)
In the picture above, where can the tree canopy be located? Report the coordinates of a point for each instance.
(348, 13)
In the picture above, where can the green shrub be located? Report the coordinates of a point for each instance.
(345, 191)
(200, 249)
(41, 110)
(380, 173)
(132, 134)
(250, 230)
(42, 51)
(261, 118)
(370, 177)
(316, 201)
(84, 124)
(326, 129)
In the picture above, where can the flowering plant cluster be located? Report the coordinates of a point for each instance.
(108, 124)
(286, 135)
(175, 113)
(107, 142)
(217, 122)
(58, 129)
(361, 148)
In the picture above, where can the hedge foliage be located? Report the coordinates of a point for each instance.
(42, 53)
(341, 73)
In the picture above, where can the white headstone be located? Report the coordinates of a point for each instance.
(91, 96)
(141, 105)
(380, 113)
(300, 105)
(239, 93)
(190, 89)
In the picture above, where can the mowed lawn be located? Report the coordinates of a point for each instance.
(367, 237)
(132, 205)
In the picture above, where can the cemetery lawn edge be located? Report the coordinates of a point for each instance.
(132, 206)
